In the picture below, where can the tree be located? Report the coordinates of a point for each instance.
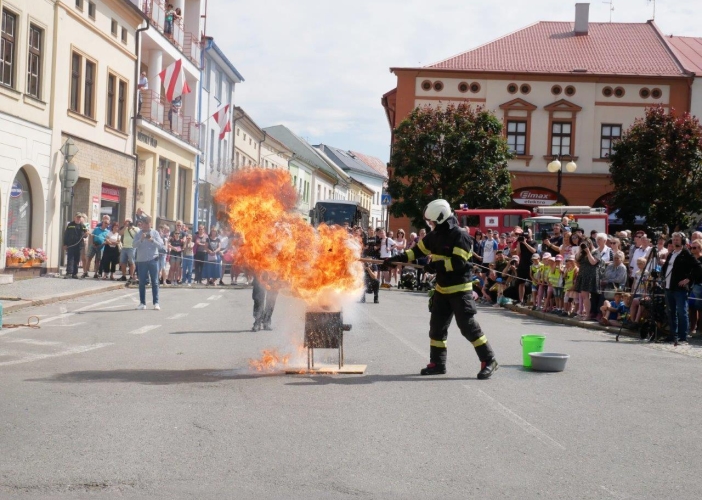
(457, 153)
(656, 169)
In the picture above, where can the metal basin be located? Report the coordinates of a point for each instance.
(548, 361)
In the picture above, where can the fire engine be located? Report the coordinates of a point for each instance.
(539, 221)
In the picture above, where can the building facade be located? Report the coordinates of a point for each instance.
(563, 90)
(92, 99)
(217, 161)
(26, 69)
(168, 133)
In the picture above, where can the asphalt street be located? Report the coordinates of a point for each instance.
(106, 401)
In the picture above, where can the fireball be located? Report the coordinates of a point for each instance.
(318, 265)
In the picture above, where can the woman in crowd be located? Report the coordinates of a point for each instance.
(606, 252)
(210, 271)
(110, 253)
(188, 251)
(200, 252)
(478, 249)
(175, 245)
(400, 246)
(588, 281)
(696, 293)
(571, 241)
(165, 233)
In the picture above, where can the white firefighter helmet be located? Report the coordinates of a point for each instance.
(437, 211)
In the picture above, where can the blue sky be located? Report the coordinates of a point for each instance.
(321, 67)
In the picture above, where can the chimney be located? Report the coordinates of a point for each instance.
(582, 12)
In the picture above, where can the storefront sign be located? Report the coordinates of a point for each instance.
(17, 189)
(534, 197)
(147, 139)
(95, 212)
(110, 193)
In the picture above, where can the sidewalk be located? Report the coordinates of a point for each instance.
(45, 290)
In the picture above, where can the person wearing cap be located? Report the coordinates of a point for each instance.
(535, 271)
(126, 256)
(550, 274)
(556, 283)
(569, 275)
(73, 239)
(526, 247)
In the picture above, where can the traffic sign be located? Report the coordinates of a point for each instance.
(69, 175)
(385, 200)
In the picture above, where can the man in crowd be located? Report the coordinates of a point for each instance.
(451, 249)
(73, 239)
(147, 243)
(126, 256)
(643, 248)
(489, 249)
(679, 271)
(555, 242)
(95, 246)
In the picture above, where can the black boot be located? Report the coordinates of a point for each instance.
(363, 300)
(433, 369)
(487, 368)
(256, 327)
(375, 300)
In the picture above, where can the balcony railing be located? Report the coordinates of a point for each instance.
(157, 111)
(187, 43)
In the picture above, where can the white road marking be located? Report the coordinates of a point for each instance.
(178, 316)
(69, 324)
(36, 357)
(118, 306)
(214, 297)
(144, 329)
(33, 342)
(201, 305)
(514, 418)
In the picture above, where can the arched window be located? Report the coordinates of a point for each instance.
(19, 212)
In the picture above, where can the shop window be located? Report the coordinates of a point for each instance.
(19, 212)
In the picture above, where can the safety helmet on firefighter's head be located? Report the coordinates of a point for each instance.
(437, 211)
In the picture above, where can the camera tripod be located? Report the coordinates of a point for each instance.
(651, 264)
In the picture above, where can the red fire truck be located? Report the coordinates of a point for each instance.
(542, 219)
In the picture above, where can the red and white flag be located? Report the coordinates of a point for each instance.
(173, 79)
(221, 116)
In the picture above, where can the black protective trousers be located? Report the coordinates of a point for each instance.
(264, 303)
(444, 308)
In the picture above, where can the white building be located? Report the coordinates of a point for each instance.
(219, 78)
(26, 68)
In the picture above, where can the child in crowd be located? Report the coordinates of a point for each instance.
(616, 312)
(535, 275)
(570, 274)
(556, 281)
(542, 283)
(551, 275)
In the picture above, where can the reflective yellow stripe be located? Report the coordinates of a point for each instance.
(448, 265)
(480, 341)
(462, 253)
(463, 287)
(439, 343)
(421, 246)
(410, 255)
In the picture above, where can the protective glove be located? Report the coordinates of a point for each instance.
(387, 263)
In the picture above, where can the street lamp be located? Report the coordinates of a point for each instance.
(555, 166)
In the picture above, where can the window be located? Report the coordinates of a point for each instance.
(237, 159)
(244, 137)
(36, 36)
(91, 10)
(182, 193)
(560, 138)
(79, 4)
(237, 131)
(610, 135)
(114, 27)
(122, 106)
(218, 85)
(19, 213)
(7, 48)
(76, 67)
(110, 113)
(164, 184)
(124, 34)
(212, 143)
(512, 220)
(516, 136)
(89, 88)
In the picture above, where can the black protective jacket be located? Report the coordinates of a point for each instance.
(74, 233)
(451, 248)
(685, 266)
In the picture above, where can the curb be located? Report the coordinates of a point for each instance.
(22, 304)
(571, 322)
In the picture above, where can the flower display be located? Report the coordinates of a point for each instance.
(15, 256)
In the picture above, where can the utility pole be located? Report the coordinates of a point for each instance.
(68, 177)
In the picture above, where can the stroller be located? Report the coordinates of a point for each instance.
(408, 279)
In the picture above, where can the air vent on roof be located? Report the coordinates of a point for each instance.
(351, 154)
(580, 70)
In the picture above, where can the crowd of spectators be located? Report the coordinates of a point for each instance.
(109, 248)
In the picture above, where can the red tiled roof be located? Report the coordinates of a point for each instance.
(375, 163)
(688, 50)
(553, 47)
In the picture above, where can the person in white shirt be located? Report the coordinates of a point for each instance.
(641, 251)
(489, 249)
(385, 247)
(143, 87)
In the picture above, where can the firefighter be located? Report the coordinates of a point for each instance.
(265, 294)
(451, 251)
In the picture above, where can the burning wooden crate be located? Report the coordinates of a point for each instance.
(324, 330)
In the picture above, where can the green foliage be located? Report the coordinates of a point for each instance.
(458, 154)
(656, 169)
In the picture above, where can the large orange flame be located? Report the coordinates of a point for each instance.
(270, 360)
(316, 265)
